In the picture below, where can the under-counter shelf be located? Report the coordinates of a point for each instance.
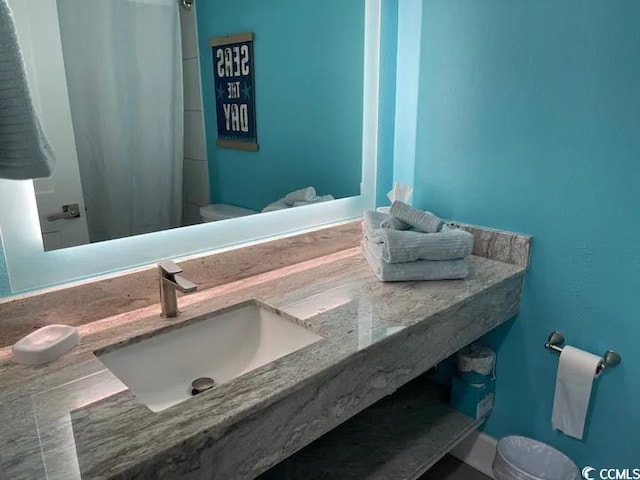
(399, 437)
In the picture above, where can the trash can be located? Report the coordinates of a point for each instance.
(521, 458)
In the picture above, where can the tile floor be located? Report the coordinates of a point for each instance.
(450, 468)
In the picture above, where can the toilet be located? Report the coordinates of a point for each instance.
(223, 211)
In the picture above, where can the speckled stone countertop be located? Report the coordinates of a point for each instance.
(97, 298)
(74, 419)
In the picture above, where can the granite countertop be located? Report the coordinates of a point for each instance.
(74, 419)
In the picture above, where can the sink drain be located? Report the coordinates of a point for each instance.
(202, 384)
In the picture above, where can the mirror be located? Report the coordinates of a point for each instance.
(31, 267)
(140, 109)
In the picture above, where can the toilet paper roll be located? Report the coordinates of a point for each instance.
(576, 371)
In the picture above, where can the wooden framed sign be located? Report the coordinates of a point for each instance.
(235, 91)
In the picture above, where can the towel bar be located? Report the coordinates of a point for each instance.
(610, 359)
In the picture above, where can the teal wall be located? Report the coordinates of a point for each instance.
(529, 120)
(309, 97)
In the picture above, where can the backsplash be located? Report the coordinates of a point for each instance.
(498, 244)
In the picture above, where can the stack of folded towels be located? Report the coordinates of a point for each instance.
(298, 198)
(409, 244)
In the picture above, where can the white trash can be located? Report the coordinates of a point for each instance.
(521, 458)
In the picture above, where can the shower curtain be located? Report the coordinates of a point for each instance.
(124, 73)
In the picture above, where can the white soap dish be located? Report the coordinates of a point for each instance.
(45, 344)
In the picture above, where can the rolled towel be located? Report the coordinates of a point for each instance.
(376, 219)
(323, 198)
(412, 271)
(424, 221)
(279, 205)
(24, 150)
(302, 195)
(395, 224)
(406, 246)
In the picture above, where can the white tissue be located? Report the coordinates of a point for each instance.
(576, 371)
(400, 192)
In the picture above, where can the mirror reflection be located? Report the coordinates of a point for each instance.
(137, 128)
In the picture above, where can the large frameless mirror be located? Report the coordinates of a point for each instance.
(128, 93)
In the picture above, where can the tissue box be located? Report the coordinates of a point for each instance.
(474, 400)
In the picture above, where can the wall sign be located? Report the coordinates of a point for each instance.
(235, 91)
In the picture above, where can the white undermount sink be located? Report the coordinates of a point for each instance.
(159, 370)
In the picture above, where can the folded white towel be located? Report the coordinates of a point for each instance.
(412, 271)
(302, 195)
(406, 246)
(24, 150)
(323, 198)
(278, 205)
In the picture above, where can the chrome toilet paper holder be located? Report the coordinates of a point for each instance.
(610, 359)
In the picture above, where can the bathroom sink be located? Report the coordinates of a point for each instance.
(160, 370)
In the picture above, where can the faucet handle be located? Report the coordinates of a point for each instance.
(184, 285)
(168, 267)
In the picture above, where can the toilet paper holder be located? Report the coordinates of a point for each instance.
(610, 359)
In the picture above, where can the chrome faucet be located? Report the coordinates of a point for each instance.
(170, 281)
